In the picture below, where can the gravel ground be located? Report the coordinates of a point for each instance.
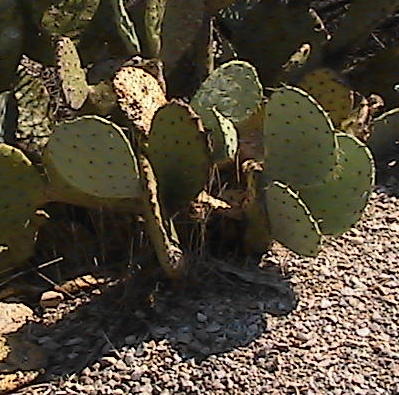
(228, 337)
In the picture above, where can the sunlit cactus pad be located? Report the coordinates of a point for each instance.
(299, 139)
(339, 202)
(139, 95)
(91, 155)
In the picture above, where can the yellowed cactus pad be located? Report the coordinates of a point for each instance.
(139, 95)
(333, 95)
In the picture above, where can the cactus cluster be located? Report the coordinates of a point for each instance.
(127, 146)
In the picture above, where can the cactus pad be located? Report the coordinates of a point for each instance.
(384, 142)
(71, 74)
(69, 17)
(178, 150)
(339, 202)
(290, 220)
(224, 139)
(154, 14)
(233, 89)
(139, 95)
(33, 103)
(22, 188)
(181, 23)
(333, 95)
(17, 242)
(299, 140)
(91, 156)
(160, 228)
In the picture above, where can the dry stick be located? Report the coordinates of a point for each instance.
(19, 274)
(56, 286)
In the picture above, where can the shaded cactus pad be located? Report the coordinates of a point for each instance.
(21, 188)
(178, 150)
(139, 95)
(290, 220)
(92, 156)
(338, 203)
(299, 140)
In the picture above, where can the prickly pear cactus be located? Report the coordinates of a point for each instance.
(291, 222)
(71, 74)
(22, 188)
(259, 35)
(181, 23)
(154, 14)
(126, 27)
(384, 141)
(339, 202)
(333, 95)
(178, 150)
(224, 139)
(69, 17)
(158, 225)
(89, 160)
(33, 104)
(17, 242)
(299, 139)
(139, 96)
(233, 89)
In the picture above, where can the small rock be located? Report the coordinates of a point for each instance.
(201, 317)
(108, 361)
(324, 304)
(51, 299)
(363, 332)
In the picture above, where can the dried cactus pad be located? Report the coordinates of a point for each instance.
(233, 89)
(290, 220)
(21, 187)
(178, 150)
(333, 95)
(339, 202)
(139, 95)
(92, 156)
(299, 140)
(224, 139)
(72, 76)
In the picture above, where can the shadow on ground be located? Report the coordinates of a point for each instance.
(218, 315)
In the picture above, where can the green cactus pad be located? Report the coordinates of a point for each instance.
(178, 150)
(21, 186)
(69, 17)
(34, 125)
(290, 220)
(332, 94)
(233, 89)
(384, 141)
(159, 227)
(181, 23)
(71, 74)
(126, 27)
(361, 19)
(299, 140)
(90, 157)
(339, 202)
(139, 96)
(224, 139)
(17, 242)
(154, 14)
